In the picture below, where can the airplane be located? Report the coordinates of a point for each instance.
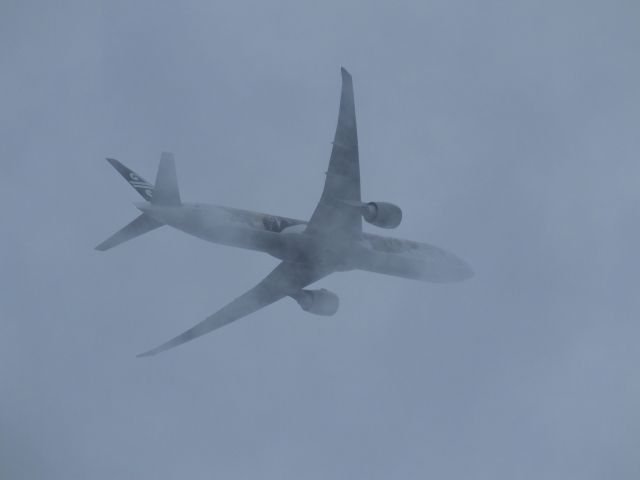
(331, 241)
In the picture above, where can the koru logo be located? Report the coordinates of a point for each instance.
(272, 223)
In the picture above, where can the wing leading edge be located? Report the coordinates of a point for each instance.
(285, 279)
(333, 215)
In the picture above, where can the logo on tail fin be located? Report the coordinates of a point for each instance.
(140, 184)
(144, 188)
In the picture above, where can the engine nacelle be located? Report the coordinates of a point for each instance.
(319, 302)
(382, 214)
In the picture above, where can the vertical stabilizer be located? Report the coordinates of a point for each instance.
(166, 188)
(144, 188)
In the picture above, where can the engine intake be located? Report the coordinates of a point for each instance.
(382, 214)
(319, 302)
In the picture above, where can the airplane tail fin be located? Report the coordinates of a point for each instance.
(165, 193)
(140, 185)
(142, 224)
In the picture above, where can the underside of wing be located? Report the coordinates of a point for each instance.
(333, 215)
(142, 224)
(286, 279)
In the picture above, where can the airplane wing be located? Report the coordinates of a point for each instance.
(285, 279)
(332, 215)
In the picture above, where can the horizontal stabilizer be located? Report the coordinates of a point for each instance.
(142, 224)
(166, 190)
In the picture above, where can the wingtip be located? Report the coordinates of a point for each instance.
(153, 351)
(101, 247)
(344, 72)
(149, 353)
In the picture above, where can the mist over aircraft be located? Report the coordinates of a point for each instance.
(332, 240)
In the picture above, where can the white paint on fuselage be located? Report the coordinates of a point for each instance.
(285, 238)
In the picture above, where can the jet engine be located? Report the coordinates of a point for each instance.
(382, 214)
(319, 302)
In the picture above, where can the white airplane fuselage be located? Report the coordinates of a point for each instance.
(286, 239)
(331, 240)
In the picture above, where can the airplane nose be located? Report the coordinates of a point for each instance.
(449, 269)
(465, 271)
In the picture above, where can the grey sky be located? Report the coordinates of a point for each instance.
(508, 133)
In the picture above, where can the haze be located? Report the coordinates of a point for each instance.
(506, 131)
